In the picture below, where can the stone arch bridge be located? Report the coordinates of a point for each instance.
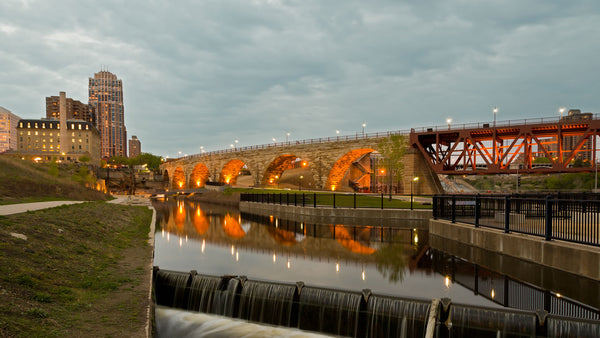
(334, 164)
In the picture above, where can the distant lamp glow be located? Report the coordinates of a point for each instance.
(333, 188)
(448, 121)
(274, 257)
(337, 267)
(447, 281)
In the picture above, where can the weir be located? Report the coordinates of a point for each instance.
(354, 314)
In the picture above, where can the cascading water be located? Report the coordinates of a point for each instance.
(560, 327)
(202, 290)
(469, 321)
(393, 317)
(329, 311)
(223, 302)
(170, 288)
(267, 302)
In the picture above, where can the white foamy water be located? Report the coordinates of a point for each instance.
(179, 323)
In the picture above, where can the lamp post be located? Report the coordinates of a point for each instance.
(274, 141)
(300, 182)
(495, 110)
(448, 121)
(287, 135)
(236, 143)
(337, 131)
(363, 130)
(202, 149)
(414, 180)
(561, 110)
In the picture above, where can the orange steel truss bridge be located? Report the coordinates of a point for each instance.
(510, 146)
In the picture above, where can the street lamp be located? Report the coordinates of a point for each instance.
(287, 135)
(414, 180)
(179, 153)
(448, 121)
(561, 110)
(236, 143)
(300, 182)
(274, 141)
(364, 125)
(495, 110)
(202, 149)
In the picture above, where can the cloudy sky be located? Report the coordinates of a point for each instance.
(204, 73)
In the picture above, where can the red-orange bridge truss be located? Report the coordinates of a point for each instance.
(511, 146)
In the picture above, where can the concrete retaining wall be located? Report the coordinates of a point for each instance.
(418, 219)
(579, 259)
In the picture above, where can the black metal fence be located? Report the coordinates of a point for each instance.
(551, 217)
(335, 200)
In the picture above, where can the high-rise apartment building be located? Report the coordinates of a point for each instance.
(106, 98)
(8, 130)
(76, 110)
(135, 146)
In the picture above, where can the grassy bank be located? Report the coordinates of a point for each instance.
(79, 272)
(24, 181)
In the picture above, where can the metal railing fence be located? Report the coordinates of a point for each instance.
(565, 219)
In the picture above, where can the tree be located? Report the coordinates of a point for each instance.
(152, 161)
(393, 148)
(84, 159)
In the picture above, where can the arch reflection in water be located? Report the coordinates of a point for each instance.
(316, 253)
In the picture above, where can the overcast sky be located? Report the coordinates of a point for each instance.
(204, 73)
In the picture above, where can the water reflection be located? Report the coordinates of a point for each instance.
(217, 240)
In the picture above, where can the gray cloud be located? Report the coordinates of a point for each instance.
(208, 72)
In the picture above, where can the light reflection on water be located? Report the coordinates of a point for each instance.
(218, 241)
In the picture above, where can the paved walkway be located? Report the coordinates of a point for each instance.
(10, 209)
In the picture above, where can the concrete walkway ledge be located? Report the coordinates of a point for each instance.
(580, 259)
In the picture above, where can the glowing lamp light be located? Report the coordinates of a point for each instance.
(180, 184)
(304, 164)
(197, 183)
(337, 267)
(447, 281)
(333, 188)
(493, 294)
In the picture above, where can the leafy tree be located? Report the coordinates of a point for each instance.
(393, 148)
(542, 160)
(84, 159)
(152, 161)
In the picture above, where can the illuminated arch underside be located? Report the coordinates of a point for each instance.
(230, 172)
(339, 169)
(277, 167)
(199, 176)
(179, 179)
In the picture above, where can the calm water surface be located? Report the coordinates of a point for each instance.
(217, 240)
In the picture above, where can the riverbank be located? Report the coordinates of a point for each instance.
(76, 270)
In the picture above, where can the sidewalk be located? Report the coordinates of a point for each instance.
(10, 209)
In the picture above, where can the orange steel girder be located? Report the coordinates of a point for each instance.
(509, 149)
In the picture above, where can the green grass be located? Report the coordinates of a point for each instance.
(342, 200)
(31, 199)
(57, 281)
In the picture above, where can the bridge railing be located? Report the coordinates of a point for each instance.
(358, 135)
(549, 217)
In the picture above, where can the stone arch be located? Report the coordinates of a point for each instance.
(166, 180)
(277, 167)
(179, 179)
(199, 176)
(341, 167)
(230, 171)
